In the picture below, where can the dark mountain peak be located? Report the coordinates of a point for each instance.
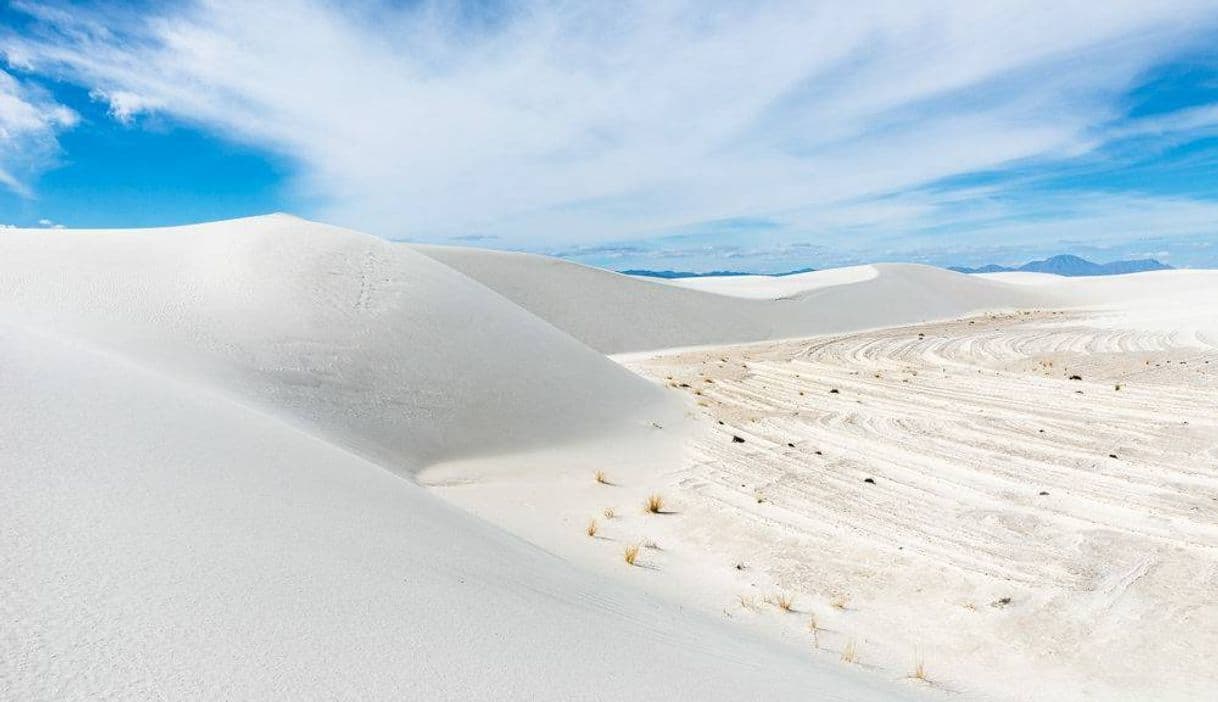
(1065, 259)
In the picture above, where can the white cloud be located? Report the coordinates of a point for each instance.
(567, 123)
(29, 122)
(124, 105)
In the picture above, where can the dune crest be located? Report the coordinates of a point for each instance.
(378, 348)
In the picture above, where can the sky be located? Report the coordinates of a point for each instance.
(665, 134)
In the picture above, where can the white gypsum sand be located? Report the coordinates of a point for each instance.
(771, 287)
(215, 437)
(616, 313)
(904, 513)
(208, 448)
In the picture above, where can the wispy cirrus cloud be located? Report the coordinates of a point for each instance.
(559, 125)
(29, 122)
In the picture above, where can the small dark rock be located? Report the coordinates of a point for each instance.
(1043, 493)
(869, 480)
(1112, 455)
(834, 391)
(1001, 602)
(818, 453)
(790, 445)
(737, 439)
(1076, 377)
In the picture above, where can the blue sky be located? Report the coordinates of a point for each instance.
(662, 134)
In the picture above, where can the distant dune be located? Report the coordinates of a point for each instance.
(614, 313)
(643, 273)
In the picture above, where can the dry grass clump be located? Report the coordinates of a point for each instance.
(850, 653)
(654, 504)
(600, 477)
(609, 513)
(784, 601)
(814, 629)
(840, 602)
(592, 528)
(631, 554)
(746, 601)
(919, 671)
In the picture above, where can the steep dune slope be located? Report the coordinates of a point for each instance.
(161, 541)
(616, 313)
(380, 349)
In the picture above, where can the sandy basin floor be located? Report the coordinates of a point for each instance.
(1027, 503)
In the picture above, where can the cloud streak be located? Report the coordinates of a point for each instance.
(29, 123)
(567, 124)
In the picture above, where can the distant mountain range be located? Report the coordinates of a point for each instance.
(689, 274)
(1065, 264)
(1072, 266)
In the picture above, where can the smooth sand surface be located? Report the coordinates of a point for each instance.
(770, 287)
(616, 313)
(367, 343)
(207, 444)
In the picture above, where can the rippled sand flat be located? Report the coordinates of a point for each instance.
(1000, 496)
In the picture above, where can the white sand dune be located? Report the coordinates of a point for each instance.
(616, 313)
(196, 503)
(770, 287)
(373, 346)
(1182, 303)
(215, 435)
